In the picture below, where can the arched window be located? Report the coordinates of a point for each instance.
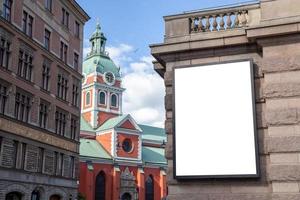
(93, 46)
(100, 186)
(35, 195)
(88, 98)
(13, 196)
(102, 98)
(149, 186)
(55, 197)
(114, 100)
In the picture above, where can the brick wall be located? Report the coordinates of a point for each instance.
(30, 153)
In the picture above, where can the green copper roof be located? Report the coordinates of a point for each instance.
(97, 33)
(153, 155)
(100, 63)
(153, 133)
(92, 148)
(111, 123)
(85, 126)
(97, 59)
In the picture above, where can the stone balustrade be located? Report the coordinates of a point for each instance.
(219, 21)
(212, 22)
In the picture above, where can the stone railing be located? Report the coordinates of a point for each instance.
(220, 21)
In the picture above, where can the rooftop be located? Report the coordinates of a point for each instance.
(92, 148)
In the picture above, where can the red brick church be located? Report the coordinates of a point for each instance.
(119, 159)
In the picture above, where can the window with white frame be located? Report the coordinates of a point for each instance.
(114, 100)
(102, 98)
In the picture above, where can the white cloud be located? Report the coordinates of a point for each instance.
(144, 95)
(86, 50)
(119, 54)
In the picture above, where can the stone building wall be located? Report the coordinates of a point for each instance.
(269, 36)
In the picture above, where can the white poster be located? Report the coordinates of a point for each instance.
(215, 128)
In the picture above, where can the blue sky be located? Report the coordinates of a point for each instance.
(130, 26)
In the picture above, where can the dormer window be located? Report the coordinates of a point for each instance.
(114, 100)
(102, 98)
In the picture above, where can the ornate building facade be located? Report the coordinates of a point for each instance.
(40, 83)
(119, 159)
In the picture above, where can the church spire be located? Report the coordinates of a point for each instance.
(98, 42)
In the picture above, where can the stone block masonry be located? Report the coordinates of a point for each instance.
(268, 33)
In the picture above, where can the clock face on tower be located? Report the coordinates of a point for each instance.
(109, 78)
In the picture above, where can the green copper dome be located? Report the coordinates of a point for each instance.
(100, 63)
(97, 59)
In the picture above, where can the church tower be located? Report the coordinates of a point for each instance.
(101, 87)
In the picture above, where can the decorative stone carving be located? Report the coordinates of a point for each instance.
(128, 184)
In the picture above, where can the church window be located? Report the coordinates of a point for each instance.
(127, 145)
(93, 46)
(100, 186)
(149, 188)
(114, 100)
(88, 98)
(102, 98)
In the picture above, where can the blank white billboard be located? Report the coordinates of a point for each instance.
(214, 121)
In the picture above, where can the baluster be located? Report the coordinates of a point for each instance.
(247, 18)
(207, 23)
(243, 18)
(193, 25)
(236, 21)
(201, 27)
(222, 23)
(214, 23)
(228, 21)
